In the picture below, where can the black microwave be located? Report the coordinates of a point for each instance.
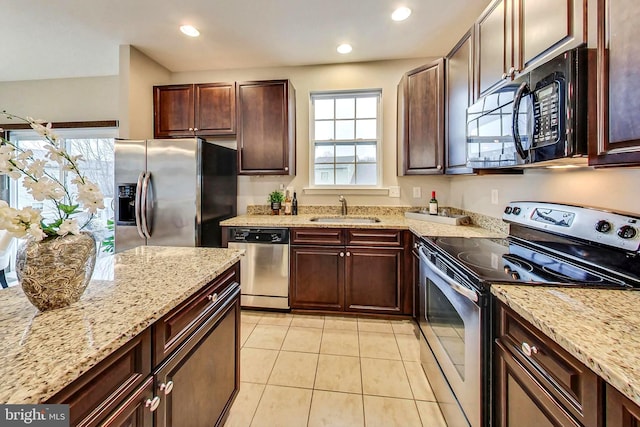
(538, 119)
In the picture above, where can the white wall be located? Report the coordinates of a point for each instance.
(382, 74)
(62, 100)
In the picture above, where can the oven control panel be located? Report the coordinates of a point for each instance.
(599, 226)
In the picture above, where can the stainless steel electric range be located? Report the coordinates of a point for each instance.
(548, 245)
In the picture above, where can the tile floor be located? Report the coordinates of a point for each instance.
(302, 370)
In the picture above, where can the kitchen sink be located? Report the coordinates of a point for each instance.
(346, 219)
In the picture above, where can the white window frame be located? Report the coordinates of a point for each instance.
(334, 94)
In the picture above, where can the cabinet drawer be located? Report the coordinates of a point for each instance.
(317, 236)
(100, 390)
(574, 385)
(179, 323)
(373, 237)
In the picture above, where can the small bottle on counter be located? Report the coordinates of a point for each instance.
(294, 205)
(287, 204)
(433, 204)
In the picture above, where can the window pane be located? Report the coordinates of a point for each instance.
(345, 108)
(345, 129)
(324, 131)
(345, 174)
(345, 153)
(367, 108)
(324, 153)
(366, 152)
(366, 174)
(323, 108)
(366, 129)
(323, 174)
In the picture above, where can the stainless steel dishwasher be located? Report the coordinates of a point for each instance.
(264, 270)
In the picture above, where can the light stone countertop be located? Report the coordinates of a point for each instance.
(599, 327)
(41, 353)
(421, 228)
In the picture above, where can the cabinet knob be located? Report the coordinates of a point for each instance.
(415, 246)
(195, 129)
(166, 387)
(529, 350)
(286, 168)
(152, 404)
(213, 297)
(190, 129)
(348, 253)
(439, 167)
(342, 254)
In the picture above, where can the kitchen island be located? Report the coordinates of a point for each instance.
(42, 353)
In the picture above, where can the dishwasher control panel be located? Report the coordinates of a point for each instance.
(259, 235)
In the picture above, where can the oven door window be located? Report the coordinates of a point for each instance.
(447, 326)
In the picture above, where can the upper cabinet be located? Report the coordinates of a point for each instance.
(421, 121)
(194, 110)
(458, 97)
(266, 128)
(513, 36)
(618, 86)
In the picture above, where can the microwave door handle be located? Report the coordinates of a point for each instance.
(522, 91)
(467, 293)
(138, 205)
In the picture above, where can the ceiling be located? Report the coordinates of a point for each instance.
(44, 39)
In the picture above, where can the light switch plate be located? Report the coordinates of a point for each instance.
(417, 192)
(394, 191)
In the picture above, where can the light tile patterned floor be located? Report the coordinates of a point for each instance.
(303, 370)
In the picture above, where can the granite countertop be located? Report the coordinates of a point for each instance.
(599, 327)
(44, 352)
(420, 228)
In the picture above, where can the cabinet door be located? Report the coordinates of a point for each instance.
(621, 411)
(204, 372)
(459, 95)
(421, 146)
(618, 84)
(521, 401)
(317, 277)
(173, 111)
(373, 279)
(215, 109)
(135, 411)
(491, 38)
(266, 123)
(545, 29)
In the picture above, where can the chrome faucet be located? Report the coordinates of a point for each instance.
(342, 200)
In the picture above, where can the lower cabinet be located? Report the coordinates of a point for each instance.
(621, 411)
(349, 270)
(134, 411)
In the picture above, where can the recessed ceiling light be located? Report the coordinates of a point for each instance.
(189, 30)
(344, 48)
(401, 13)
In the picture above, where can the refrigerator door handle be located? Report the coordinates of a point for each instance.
(147, 212)
(138, 204)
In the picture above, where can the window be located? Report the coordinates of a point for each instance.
(96, 145)
(345, 130)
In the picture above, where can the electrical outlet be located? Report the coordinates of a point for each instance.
(494, 197)
(281, 187)
(417, 193)
(394, 191)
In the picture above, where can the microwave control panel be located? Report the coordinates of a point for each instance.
(546, 108)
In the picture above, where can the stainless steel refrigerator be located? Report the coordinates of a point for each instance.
(172, 192)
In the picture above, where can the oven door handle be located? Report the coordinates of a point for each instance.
(465, 292)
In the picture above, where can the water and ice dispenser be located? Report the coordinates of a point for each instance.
(126, 204)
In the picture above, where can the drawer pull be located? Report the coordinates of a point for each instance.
(213, 297)
(166, 387)
(152, 404)
(348, 253)
(529, 350)
(341, 254)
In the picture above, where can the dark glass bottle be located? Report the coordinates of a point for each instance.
(294, 205)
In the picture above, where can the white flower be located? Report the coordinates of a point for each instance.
(36, 168)
(30, 215)
(9, 169)
(68, 226)
(36, 232)
(55, 154)
(6, 152)
(44, 188)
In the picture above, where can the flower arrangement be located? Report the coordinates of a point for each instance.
(19, 163)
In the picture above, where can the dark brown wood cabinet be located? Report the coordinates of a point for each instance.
(266, 128)
(537, 383)
(620, 410)
(458, 97)
(182, 370)
(349, 270)
(618, 142)
(420, 140)
(514, 36)
(207, 109)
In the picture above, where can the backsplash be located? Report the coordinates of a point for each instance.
(483, 221)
